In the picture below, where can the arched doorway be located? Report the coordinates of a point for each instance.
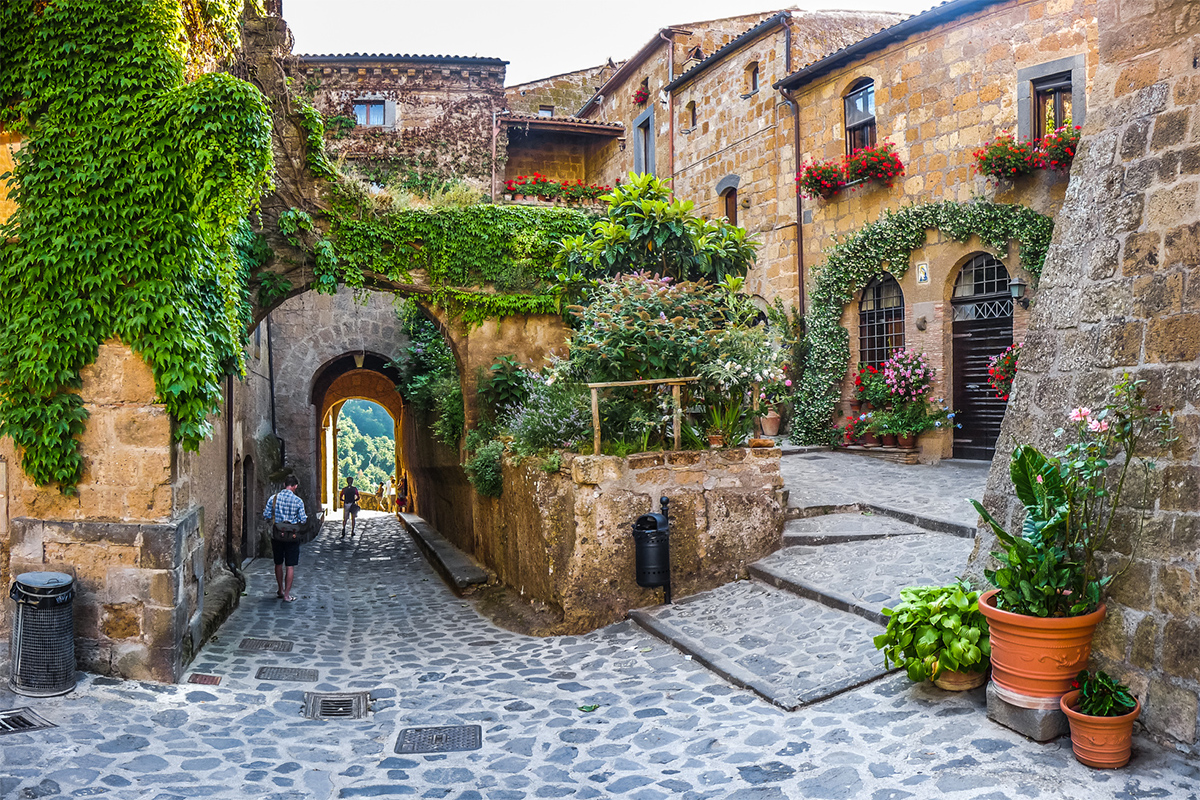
(982, 327)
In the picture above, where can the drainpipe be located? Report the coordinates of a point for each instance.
(795, 104)
(230, 552)
(495, 135)
(670, 110)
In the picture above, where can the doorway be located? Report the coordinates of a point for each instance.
(982, 327)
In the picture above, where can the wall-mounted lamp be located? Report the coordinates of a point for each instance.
(1017, 288)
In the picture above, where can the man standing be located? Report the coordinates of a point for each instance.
(285, 506)
(349, 507)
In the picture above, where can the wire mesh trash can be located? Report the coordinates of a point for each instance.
(42, 655)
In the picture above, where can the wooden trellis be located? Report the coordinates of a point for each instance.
(674, 383)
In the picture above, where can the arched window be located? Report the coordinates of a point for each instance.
(860, 115)
(880, 320)
(751, 78)
(689, 115)
(981, 291)
(731, 205)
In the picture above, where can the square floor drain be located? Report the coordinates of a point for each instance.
(19, 720)
(206, 680)
(440, 740)
(270, 645)
(286, 674)
(336, 705)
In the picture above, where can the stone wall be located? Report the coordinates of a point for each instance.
(1119, 294)
(9, 142)
(558, 156)
(564, 539)
(565, 93)
(939, 95)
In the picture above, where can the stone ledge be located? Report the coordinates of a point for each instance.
(457, 568)
(1039, 724)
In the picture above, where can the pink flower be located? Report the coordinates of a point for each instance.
(787, 383)
(1040, 479)
(1081, 415)
(1098, 425)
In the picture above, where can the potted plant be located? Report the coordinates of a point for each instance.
(1006, 157)
(820, 180)
(1100, 712)
(937, 633)
(870, 388)
(728, 423)
(1060, 147)
(1002, 370)
(884, 425)
(1050, 582)
(876, 163)
(641, 95)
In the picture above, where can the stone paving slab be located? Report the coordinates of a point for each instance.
(938, 492)
(790, 650)
(864, 576)
(848, 527)
(664, 727)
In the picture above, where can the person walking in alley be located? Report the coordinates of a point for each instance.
(284, 506)
(349, 497)
(379, 498)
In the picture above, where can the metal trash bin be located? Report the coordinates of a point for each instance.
(42, 655)
(652, 550)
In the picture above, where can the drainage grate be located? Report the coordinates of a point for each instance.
(336, 705)
(286, 674)
(440, 740)
(19, 720)
(272, 645)
(207, 680)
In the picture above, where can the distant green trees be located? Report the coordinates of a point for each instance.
(366, 447)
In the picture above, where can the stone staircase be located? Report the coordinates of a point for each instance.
(800, 629)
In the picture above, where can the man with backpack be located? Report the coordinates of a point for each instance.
(284, 506)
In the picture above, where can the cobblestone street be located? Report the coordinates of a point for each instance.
(372, 616)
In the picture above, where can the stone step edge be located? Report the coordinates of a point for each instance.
(935, 524)
(822, 595)
(457, 568)
(726, 669)
(818, 539)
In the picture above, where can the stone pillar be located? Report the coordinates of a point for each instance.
(1121, 293)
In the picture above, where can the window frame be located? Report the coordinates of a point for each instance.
(369, 104)
(730, 197)
(545, 111)
(1052, 89)
(1027, 77)
(880, 326)
(868, 125)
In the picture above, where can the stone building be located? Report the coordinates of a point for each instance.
(1121, 294)
(409, 118)
(558, 95)
(938, 86)
(711, 124)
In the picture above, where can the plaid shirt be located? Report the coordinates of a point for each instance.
(291, 508)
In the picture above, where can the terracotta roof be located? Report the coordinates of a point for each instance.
(570, 124)
(491, 62)
(898, 32)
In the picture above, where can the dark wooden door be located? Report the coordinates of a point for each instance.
(982, 328)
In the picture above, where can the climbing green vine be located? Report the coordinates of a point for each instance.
(885, 245)
(132, 187)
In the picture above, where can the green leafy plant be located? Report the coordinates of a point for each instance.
(730, 420)
(131, 187)
(1101, 695)
(553, 414)
(485, 469)
(1051, 568)
(504, 386)
(854, 260)
(936, 629)
(429, 378)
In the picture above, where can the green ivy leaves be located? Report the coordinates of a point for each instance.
(886, 244)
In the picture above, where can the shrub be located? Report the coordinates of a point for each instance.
(553, 415)
(1006, 157)
(484, 469)
(934, 629)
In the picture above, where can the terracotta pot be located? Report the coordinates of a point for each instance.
(1036, 656)
(870, 440)
(907, 441)
(716, 440)
(1100, 742)
(889, 440)
(770, 424)
(960, 681)
(518, 197)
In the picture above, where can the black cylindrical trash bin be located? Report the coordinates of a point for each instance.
(43, 636)
(652, 553)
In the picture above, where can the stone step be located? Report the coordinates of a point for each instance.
(862, 577)
(845, 527)
(459, 570)
(790, 650)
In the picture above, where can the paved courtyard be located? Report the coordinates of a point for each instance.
(615, 713)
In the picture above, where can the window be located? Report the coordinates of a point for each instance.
(643, 142)
(880, 321)
(368, 112)
(751, 78)
(1052, 103)
(689, 115)
(731, 203)
(981, 291)
(860, 116)
(545, 111)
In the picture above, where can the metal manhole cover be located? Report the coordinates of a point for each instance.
(440, 740)
(271, 645)
(336, 705)
(19, 720)
(286, 674)
(206, 680)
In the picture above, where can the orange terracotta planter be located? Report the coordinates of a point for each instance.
(1100, 742)
(1037, 656)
